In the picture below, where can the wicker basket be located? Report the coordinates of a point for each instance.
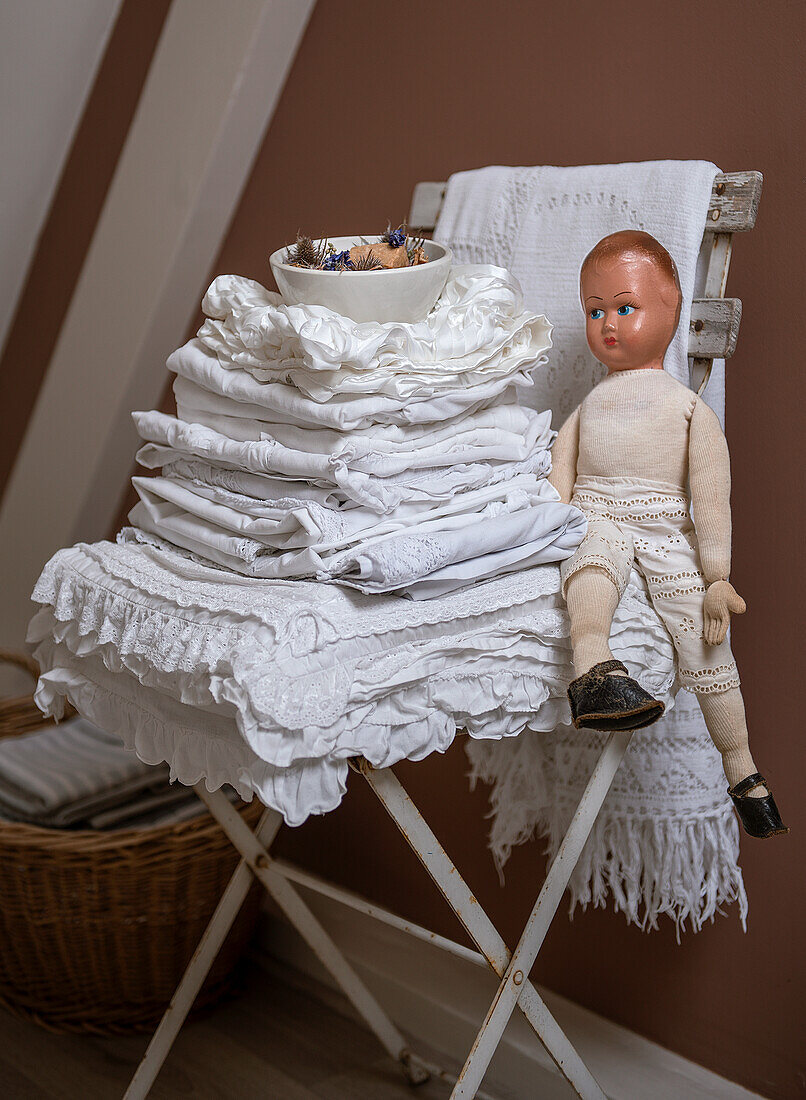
(96, 928)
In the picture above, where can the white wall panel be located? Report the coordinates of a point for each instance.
(49, 53)
(216, 76)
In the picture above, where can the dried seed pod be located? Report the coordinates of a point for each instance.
(307, 254)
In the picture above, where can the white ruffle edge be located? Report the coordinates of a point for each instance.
(217, 696)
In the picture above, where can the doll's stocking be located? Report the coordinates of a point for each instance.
(724, 716)
(592, 600)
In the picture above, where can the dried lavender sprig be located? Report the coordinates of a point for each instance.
(395, 238)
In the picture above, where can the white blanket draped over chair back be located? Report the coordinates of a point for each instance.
(666, 841)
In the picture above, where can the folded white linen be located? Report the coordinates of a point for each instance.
(287, 523)
(196, 405)
(503, 529)
(208, 541)
(278, 401)
(272, 686)
(503, 433)
(169, 439)
(477, 330)
(262, 488)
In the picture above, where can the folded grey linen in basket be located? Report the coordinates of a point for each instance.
(63, 774)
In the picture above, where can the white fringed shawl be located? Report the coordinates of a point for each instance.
(666, 840)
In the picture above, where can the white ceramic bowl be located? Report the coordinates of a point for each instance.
(397, 294)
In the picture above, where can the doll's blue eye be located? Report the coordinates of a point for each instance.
(596, 314)
(625, 311)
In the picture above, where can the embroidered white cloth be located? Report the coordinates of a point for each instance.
(480, 534)
(666, 840)
(271, 687)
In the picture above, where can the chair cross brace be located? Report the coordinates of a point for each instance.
(515, 990)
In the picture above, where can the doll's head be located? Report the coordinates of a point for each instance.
(630, 292)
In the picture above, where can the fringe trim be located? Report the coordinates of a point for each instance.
(682, 868)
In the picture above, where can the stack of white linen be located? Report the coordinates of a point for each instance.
(389, 457)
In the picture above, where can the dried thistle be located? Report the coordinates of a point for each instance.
(339, 261)
(307, 254)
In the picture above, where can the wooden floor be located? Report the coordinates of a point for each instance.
(273, 1040)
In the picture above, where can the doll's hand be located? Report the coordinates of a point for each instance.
(721, 601)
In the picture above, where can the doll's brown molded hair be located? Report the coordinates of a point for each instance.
(636, 241)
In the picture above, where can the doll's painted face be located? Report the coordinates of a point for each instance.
(631, 310)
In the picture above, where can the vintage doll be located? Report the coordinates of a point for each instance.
(641, 456)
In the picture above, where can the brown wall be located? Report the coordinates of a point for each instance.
(383, 95)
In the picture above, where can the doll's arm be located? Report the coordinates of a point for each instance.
(564, 456)
(709, 476)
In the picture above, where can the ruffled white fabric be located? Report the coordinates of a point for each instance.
(273, 686)
(505, 433)
(478, 331)
(172, 440)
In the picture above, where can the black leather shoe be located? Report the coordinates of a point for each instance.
(759, 816)
(603, 702)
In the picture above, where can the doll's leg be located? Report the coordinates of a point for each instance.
(603, 696)
(677, 590)
(725, 720)
(593, 581)
(724, 716)
(672, 568)
(592, 600)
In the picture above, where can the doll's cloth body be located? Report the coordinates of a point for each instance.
(625, 458)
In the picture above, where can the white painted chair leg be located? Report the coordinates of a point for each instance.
(301, 917)
(203, 958)
(523, 958)
(456, 892)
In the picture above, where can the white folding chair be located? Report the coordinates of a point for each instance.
(714, 331)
